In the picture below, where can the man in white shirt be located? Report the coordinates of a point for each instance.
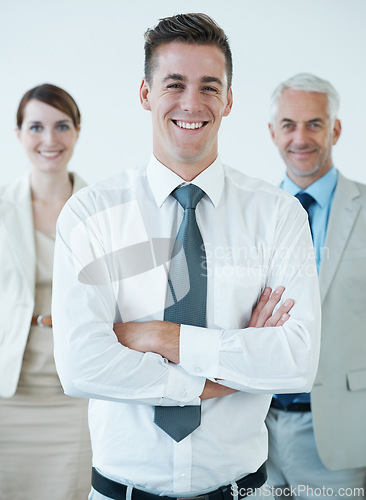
(317, 444)
(112, 344)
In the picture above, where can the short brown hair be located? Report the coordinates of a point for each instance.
(55, 97)
(188, 28)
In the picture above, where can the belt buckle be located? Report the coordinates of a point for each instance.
(39, 321)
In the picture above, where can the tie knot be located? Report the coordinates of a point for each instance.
(305, 199)
(188, 196)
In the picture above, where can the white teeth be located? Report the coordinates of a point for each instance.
(190, 126)
(49, 154)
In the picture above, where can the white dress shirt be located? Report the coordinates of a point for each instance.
(106, 271)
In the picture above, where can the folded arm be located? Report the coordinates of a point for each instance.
(162, 337)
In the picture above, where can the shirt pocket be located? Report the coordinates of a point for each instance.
(236, 291)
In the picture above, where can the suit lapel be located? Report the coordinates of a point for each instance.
(343, 215)
(19, 228)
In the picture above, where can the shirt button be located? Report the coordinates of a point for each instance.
(198, 370)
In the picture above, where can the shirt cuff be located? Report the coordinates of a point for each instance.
(182, 388)
(199, 350)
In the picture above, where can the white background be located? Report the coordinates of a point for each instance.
(94, 49)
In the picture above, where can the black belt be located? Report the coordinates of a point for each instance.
(117, 491)
(275, 403)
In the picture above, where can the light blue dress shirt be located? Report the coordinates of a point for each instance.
(322, 191)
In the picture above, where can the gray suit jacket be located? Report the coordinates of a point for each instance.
(339, 393)
(17, 277)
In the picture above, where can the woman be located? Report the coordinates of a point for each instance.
(44, 439)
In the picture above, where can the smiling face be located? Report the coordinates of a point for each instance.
(304, 135)
(48, 136)
(188, 97)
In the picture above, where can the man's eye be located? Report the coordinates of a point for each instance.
(175, 86)
(210, 89)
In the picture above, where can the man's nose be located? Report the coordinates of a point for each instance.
(191, 101)
(300, 135)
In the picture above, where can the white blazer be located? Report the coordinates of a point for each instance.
(17, 277)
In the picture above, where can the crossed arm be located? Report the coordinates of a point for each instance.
(162, 337)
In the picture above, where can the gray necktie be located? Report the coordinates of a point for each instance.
(186, 301)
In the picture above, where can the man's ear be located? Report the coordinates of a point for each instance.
(144, 95)
(229, 104)
(272, 132)
(337, 129)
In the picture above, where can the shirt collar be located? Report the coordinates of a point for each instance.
(321, 190)
(163, 181)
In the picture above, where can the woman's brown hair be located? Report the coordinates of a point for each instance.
(55, 97)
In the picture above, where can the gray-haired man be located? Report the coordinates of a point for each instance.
(318, 443)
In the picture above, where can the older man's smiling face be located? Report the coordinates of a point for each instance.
(304, 135)
(188, 97)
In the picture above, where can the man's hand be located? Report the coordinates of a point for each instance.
(161, 337)
(263, 313)
(262, 316)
